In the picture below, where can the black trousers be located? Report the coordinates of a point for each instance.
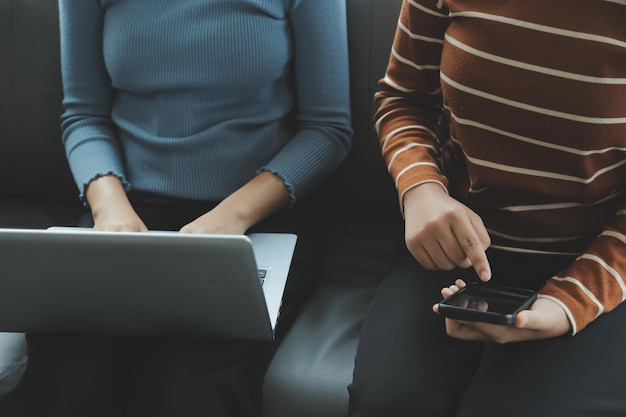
(95, 375)
(406, 365)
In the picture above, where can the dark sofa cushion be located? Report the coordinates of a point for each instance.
(38, 214)
(311, 371)
(362, 185)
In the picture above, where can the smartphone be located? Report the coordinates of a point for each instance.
(487, 303)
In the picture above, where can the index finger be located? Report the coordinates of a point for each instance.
(472, 247)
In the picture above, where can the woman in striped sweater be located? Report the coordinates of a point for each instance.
(526, 188)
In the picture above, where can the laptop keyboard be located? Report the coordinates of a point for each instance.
(262, 275)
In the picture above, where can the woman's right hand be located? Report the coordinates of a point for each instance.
(111, 208)
(442, 233)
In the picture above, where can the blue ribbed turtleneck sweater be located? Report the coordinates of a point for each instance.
(191, 98)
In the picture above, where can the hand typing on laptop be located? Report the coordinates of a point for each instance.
(110, 207)
(264, 194)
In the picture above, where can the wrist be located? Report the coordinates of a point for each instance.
(422, 192)
(259, 198)
(106, 193)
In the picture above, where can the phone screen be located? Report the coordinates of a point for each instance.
(489, 303)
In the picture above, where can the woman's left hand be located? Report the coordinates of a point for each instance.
(248, 205)
(545, 319)
(217, 221)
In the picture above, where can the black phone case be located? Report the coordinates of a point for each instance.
(526, 299)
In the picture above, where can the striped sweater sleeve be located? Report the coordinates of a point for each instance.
(595, 283)
(409, 99)
(536, 103)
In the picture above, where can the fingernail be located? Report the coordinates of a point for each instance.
(485, 275)
(523, 321)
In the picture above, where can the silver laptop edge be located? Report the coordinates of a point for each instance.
(87, 285)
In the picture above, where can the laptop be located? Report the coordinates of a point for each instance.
(73, 280)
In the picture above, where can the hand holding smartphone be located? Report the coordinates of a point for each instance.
(487, 303)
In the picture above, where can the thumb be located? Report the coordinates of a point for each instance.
(526, 319)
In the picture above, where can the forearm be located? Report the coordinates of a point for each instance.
(89, 135)
(110, 206)
(408, 103)
(596, 282)
(323, 133)
(257, 199)
(105, 192)
(260, 197)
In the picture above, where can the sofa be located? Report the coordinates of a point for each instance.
(360, 222)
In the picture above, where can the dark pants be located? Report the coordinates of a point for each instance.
(406, 365)
(93, 375)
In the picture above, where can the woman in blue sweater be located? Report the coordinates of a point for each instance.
(203, 116)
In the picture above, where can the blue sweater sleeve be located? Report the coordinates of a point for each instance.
(323, 129)
(88, 133)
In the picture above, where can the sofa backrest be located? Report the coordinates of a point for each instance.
(32, 160)
(362, 185)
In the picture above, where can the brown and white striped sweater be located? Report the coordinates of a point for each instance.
(535, 95)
